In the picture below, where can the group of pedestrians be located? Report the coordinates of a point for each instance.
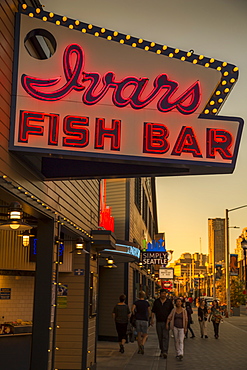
(169, 314)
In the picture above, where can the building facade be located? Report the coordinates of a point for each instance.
(216, 240)
(133, 205)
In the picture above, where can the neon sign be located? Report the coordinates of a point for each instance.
(186, 103)
(106, 99)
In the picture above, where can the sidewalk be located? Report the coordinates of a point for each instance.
(228, 352)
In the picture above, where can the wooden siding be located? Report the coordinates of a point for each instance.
(138, 228)
(70, 319)
(92, 323)
(116, 198)
(76, 200)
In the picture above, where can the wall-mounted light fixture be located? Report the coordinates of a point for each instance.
(110, 263)
(15, 218)
(79, 245)
(26, 235)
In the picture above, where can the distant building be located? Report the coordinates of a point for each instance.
(216, 240)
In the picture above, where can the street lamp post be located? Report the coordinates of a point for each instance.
(244, 246)
(227, 254)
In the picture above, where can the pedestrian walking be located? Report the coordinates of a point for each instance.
(162, 307)
(216, 317)
(178, 320)
(190, 321)
(203, 317)
(121, 315)
(141, 310)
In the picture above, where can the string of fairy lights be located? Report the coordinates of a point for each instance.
(27, 194)
(229, 72)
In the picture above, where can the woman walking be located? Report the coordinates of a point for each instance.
(203, 317)
(216, 317)
(189, 314)
(121, 315)
(178, 320)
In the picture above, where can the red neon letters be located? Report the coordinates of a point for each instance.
(98, 86)
(75, 132)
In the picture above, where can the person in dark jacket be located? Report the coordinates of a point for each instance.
(189, 314)
(216, 317)
(121, 315)
(162, 307)
(203, 317)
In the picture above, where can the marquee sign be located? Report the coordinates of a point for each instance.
(105, 96)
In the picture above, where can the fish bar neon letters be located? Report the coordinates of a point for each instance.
(156, 138)
(94, 87)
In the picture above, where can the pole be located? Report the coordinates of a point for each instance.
(245, 270)
(227, 261)
(213, 266)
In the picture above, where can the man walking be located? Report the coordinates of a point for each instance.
(161, 309)
(141, 310)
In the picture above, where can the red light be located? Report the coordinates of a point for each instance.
(186, 103)
(187, 143)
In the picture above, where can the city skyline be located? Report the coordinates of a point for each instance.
(215, 29)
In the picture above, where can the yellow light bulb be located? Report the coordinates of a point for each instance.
(71, 26)
(170, 55)
(211, 60)
(51, 15)
(109, 37)
(164, 47)
(201, 57)
(206, 111)
(218, 68)
(232, 80)
(225, 73)
(96, 34)
(226, 90)
(121, 41)
(214, 110)
(195, 61)
(38, 10)
(90, 26)
(134, 45)
(183, 58)
(207, 65)
(24, 6)
(64, 19)
(115, 33)
(224, 64)
(158, 51)
(140, 41)
(77, 23)
(152, 44)
(188, 54)
(218, 92)
(127, 37)
(220, 100)
(30, 15)
(102, 30)
(176, 51)
(212, 102)
(84, 30)
(146, 48)
(223, 82)
(58, 23)
(235, 69)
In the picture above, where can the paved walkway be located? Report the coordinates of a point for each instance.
(229, 352)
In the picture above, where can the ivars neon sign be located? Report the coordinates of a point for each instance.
(103, 101)
(76, 78)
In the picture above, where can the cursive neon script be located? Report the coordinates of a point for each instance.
(77, 79)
